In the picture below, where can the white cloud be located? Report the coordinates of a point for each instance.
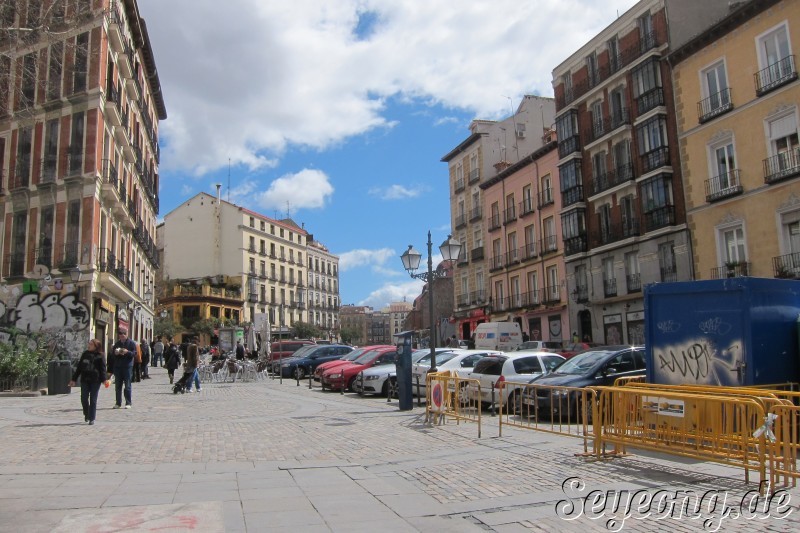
(187, 190)
(394, 292)
(398, 192)
(361, 258)
(244, 82)
(307, 189)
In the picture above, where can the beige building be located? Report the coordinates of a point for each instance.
(355, 320)
(80, 104)
(323, 288)
(206, 237)
(470, 164)
(737, 95)
(398, 311)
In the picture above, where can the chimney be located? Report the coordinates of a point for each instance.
(219, 186)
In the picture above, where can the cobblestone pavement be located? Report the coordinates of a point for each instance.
(270, 456)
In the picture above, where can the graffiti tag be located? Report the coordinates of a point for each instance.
(668, 326)
(692, 361)
(714, 326)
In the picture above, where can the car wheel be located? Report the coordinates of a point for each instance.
(392, 390)
(299, 372)
(463, 395)
(351, 384)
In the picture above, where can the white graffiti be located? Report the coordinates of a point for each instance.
(668, 326)
(714, 326)
(53, 312)
(699, 361)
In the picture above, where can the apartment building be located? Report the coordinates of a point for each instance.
(398, 311)
(470, 164)
(623, 213)
(737, 95)
(206, 237)
(379, 329)
(323, 288)
(526, 261)
(80, 103)
(355, 322)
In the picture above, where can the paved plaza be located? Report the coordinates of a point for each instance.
(271, 456)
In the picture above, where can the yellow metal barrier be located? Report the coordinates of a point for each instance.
(624, 380)
(562, 410)
(702, 426)
(448, 395)
(782, 433)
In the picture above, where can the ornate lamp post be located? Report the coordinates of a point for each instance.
(411, 258)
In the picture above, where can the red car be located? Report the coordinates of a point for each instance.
(352, 356)
(574, 348)
(344, 375)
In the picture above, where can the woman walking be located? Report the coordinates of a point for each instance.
(173, 360)
(92, 371)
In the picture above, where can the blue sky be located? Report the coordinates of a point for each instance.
(339, 112)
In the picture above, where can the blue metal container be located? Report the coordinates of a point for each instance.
(732, 332)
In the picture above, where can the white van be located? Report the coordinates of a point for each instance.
(504, 336)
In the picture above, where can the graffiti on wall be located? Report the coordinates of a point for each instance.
(710, 358)
(61, 318)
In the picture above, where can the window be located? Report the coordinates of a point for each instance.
(20, 230)
(566, 79)
(604, 217)
(44, 255)
(567, 125)
(546, 190)
(28, 79)
(622, 160)
(81, 71)
(775, 59)
(599, 166)
(23, 168)
(591, 68)
(619, 115)
(667, 262)
(597, 119)
(252, 222)
(495, 220)
(50, 162)
(652, 135)
(646, 32)
(73, 232)
(527, 199)
(474, 172)
(499, 295)
(632, 275)
(549, 226)
(733, 246)
(527, 365)
(613, 54)
(715, 88)
(609, 279)
(252, 246)
(552, 284)
(54, 71)
(573, 224)
(252, 263)
(512, 247)
(497, 253)
(627, 209)
(581, 283)
(783, 145)
(723, 167)
(656, 193)
(530, 241)
(76, 144)
(511, 213)
(533, 287)
(516, 297)
(647, 86)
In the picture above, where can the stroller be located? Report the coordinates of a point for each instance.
(180, 385)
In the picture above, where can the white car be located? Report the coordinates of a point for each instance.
(376, 380)
(462, 361)
(516, 367)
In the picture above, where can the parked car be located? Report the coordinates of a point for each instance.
(547, 346)
(310, 358)
(462, 361)
(343, 376)
(573, 348)
(285, 349)
(595, 367)
(494, 371)
(379, 378)
(352, 356)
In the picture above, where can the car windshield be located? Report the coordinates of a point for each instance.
(304, 351)
(366, 357)
(551, 362)
(583, 362)
(441, 357)
(355, 354)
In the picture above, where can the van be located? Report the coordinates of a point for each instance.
(504, 336)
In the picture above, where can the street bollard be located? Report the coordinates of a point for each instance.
(310, 378)
(493, 413)
(419, 398)
(297, 376)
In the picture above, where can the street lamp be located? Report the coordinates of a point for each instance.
(164, 313)
(411, 258)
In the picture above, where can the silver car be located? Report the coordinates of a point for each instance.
(516, 367)
(462, 361)
(378, 379)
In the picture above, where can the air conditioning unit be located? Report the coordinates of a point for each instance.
(521, 131)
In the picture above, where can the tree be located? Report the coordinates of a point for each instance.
(164, 327)
(350, 335)
(304, 330)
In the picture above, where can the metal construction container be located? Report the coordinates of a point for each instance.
(732, 332)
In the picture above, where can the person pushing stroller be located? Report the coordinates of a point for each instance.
(184, 384)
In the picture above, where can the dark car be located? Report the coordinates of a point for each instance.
(574, 348)
(308, 358)
(595, 367)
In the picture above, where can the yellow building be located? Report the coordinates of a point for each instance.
(736, 99)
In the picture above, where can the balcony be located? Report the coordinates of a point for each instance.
(67, 256)
(512, 257)
(497, 262)
(714, 106)
(669, 274)
(782, 166)
(649, 100)
(548, 245)
(474, 175)
(14, 265)
(787, 266)
(723, 186)
(462, 300)
(605, 125)
(546, 197)
(475, 214)
(775, 75)
(459, 185)
(478, 297)
(609, 287)
(575, 245)
(612, 178)
(476, 254)
(112, 105)
(528, 251)
(494, 222)
(732, 269)
(49, 165)
(526, 207)
(569, 145)
(659, 218)
(634, 282)
(18, 178)
(108, 263)
(551, 295)
(655, 159)
(509, 215)
(581, 293)
(460, 221)
(572, 195)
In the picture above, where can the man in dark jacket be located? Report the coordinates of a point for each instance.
(124, 353)
(145, 346)
(239, 351)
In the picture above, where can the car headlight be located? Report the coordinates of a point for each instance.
(560, 393)
(334, 376)
(372, 377)
(286, 365)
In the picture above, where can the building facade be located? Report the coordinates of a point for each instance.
(323, 288)
(737, 96)
(470, 164)
(526, 261)
(398, 311)
(80, 103)
(240, 249)
(355, 322)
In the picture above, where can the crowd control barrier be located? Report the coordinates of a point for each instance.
(448, 395)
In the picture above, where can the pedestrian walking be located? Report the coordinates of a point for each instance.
(192, 363)
(91, 370)
(137, 364)
(239, 351)
(158, 352)
(173, 357)
(145, 366)
(124, 356)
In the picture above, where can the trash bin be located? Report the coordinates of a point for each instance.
(59, 374)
